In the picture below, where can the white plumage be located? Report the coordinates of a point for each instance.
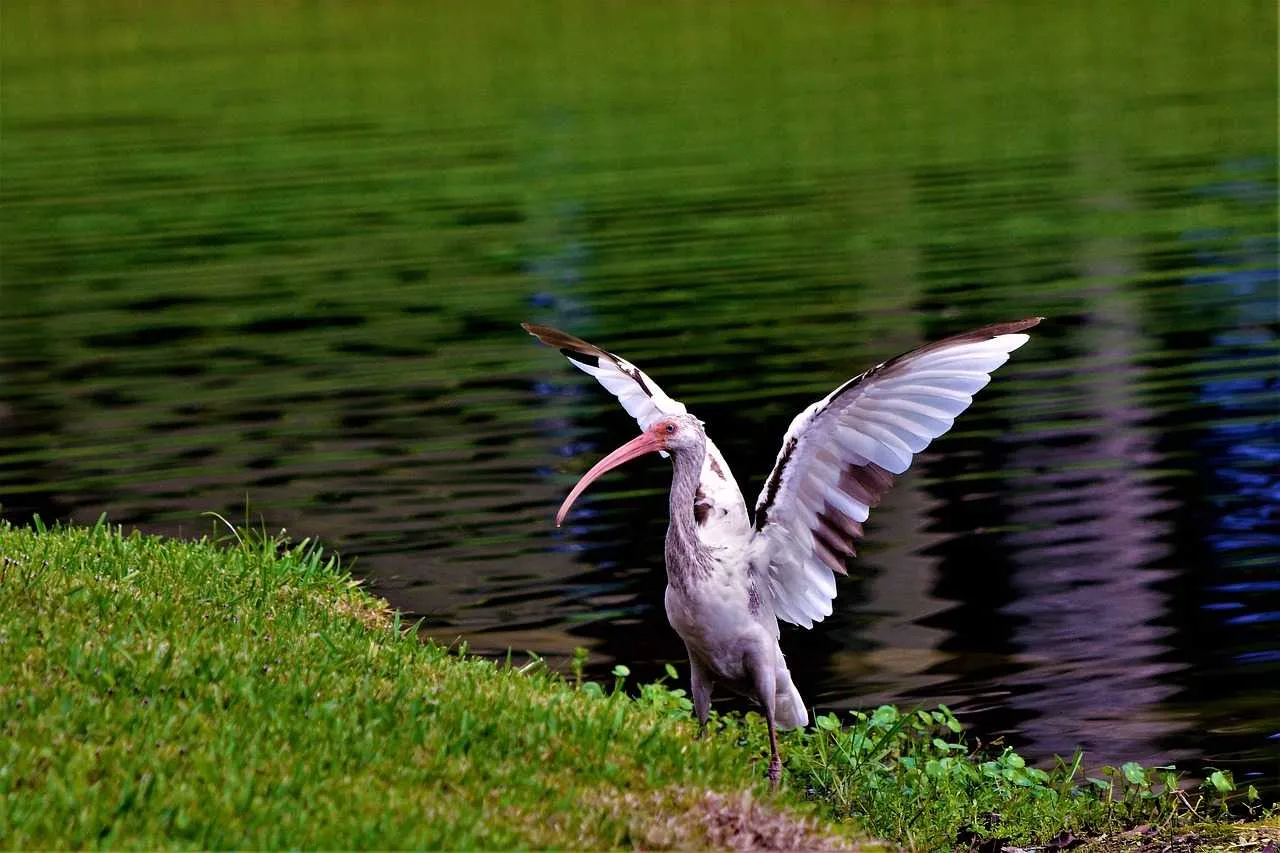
(638, 394)
(730, 581)
(883, 418)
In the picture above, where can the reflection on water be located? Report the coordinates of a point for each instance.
(316, 311)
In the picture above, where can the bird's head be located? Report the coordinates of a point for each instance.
(676, 434)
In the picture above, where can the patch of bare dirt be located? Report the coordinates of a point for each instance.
(1247, 838)
(684, 819)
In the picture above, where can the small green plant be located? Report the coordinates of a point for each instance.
(912, 777)
(578, 665)
(669, 701)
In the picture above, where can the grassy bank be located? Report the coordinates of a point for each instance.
(162, 693)
(159, 693)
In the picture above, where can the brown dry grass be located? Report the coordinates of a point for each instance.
(683, 819)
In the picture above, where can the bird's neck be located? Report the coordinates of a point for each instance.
(687, 558)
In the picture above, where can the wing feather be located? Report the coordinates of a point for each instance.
(726, 512)
(638, 394)
(840, 455)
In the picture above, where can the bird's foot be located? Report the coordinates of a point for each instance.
(775, 772)
(702, 731)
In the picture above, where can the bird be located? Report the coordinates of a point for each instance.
(732, 578)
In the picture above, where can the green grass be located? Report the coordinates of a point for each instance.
(167, 693)
(163, 693)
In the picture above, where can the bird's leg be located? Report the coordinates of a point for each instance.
(775, 760)
(761, 669)
(700, 687)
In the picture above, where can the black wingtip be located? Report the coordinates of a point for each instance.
(581, 357)
(540, 332)
(560, 340)
(1006, 328)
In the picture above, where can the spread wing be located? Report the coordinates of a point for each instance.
(638, 394)
(840, 455)
(721, 511)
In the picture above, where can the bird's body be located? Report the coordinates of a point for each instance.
(730, 579)
(714, 599)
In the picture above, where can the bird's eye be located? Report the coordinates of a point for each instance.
(671, 428)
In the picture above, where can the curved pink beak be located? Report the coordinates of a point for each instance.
(638, 446)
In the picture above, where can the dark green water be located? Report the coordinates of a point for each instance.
(279, 254)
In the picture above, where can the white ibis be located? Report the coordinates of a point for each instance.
(729, 579)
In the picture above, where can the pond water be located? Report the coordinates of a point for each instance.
(271, 262)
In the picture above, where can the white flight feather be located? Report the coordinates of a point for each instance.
(882, 419)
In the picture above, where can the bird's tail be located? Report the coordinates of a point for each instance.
(789, 710)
